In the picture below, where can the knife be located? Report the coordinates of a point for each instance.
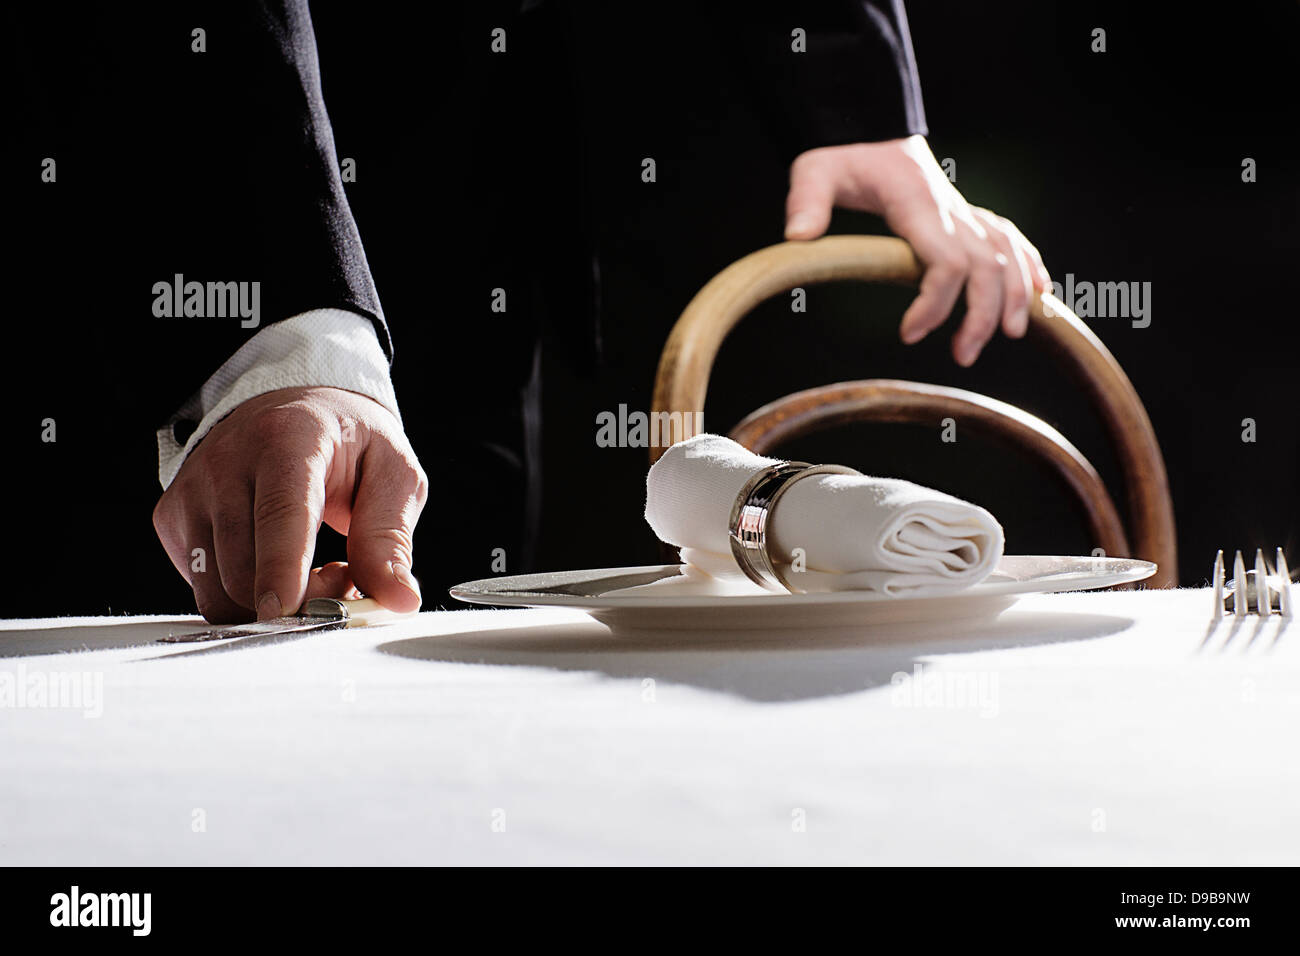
(318, 614)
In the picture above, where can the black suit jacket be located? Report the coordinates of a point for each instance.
(220, 166)
(620, 81)
(216, 165)
(854, 80)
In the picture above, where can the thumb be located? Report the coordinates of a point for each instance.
(808, 205)
(390, 496)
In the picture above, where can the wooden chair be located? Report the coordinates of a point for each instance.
(692, 346)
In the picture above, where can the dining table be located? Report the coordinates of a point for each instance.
(1125, 727)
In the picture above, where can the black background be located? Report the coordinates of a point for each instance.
(1120, 166)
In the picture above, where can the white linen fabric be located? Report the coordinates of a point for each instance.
(854, 532)
(323, 347)
(1116, 728)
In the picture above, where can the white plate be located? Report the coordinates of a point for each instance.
(590, 591)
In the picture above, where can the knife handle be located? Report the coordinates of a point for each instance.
(358, 613)
(366, 611)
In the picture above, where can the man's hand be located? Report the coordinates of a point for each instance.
(254, 492)
(958, 244)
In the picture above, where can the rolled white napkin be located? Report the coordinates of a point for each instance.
(855, 532)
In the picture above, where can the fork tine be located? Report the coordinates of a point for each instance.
(1263, 601)
(1238, 586)
(1218, 585)
(1284, 585)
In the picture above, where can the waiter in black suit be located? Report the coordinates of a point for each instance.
(182, 215)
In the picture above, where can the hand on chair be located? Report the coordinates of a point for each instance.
(958, 244)
(255, 490)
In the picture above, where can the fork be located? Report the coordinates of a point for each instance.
(1258, 581)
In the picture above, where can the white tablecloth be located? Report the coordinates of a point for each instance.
(1078, 729)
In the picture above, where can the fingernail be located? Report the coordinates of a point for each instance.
(268, 606)
(800, 222)
(966, 354)
(405, 578)
(911, 334)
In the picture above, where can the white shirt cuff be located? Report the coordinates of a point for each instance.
(325, 347)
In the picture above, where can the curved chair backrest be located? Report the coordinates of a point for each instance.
(687, 360)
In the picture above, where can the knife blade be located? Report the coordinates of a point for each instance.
(318, 614)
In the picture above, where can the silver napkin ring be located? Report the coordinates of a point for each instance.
(752, 511)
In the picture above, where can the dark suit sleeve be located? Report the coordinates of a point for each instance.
(131, 157)
(265, 82)
(855, 82)
(192, 140)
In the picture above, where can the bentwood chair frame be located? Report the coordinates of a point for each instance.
(687, 360)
